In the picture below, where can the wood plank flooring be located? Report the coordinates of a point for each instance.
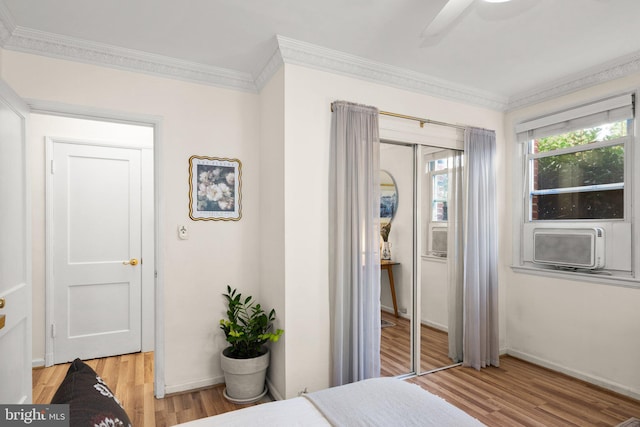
(396, 343)
(516, 394)
(130, 377)
(519, 393)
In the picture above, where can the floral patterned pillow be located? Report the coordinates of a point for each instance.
(91, 402)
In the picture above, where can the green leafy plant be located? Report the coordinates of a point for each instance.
(247, 327)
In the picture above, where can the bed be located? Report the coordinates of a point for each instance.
(373, 402)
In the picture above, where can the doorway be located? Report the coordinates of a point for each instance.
(417, 338)
(83, 223)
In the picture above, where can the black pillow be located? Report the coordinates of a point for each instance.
(91, 402)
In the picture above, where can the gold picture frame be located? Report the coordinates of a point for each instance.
(215, 189)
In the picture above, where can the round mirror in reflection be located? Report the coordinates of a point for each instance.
(388, 197)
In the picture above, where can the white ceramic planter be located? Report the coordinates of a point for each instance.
(245, 378)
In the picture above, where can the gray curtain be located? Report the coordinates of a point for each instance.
(455, 255)
(481, 344)
(354, 235)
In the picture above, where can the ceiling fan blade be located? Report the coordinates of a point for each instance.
(452, 10)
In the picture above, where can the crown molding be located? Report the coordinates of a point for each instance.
(56, 46)
(324, 59)
(612, 70)
(290, 51)
(7, 26)
(269, 70)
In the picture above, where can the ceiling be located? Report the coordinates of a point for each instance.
(507, 50)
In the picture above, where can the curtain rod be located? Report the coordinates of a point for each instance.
(421, 120)
(417, 119)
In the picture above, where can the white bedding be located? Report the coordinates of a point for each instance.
(374, 402)
(387, 402)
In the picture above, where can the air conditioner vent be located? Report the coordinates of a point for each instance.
(569, 247)
(438, 241)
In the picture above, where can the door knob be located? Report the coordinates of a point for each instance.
(132, 261)
(2, 316)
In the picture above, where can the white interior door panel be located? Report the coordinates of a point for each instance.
(96, 250)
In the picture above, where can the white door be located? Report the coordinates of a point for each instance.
(94, 197)
(15, 252)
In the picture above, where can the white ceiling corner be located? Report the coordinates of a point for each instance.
(7, 26)
(286, 51)
(309, 55)
(56, 46)
(272, 65)
(618, 68)
(466, 64)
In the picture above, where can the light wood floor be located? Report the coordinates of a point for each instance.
(130, 377)
(516, 394)
(522, 394)
(395, 345)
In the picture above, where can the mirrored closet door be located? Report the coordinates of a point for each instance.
(440, 297)
(418, 292)
(397, 187)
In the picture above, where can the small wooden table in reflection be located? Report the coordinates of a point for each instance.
(386, 264)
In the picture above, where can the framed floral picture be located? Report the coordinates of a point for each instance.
(215, 186)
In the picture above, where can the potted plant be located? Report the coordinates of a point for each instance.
(247, 329)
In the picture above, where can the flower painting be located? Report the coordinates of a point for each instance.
(214, 188)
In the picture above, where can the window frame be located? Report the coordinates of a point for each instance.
(432, 176)
(625, 141)
(430, 198)
(622, 230)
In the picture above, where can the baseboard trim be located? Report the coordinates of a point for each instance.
(273, 391)
(391, 311)
(37, 363)
(205, 383)
(194, 385)
(435, 326)
(609, 385)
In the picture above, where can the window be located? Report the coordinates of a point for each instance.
(439, 180)
(578, 174)
(576, 177)
(437, 176)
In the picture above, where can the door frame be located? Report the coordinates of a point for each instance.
(21, 108)
(147, 267)
(157, 254)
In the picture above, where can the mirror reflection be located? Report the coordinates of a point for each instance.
(396, 257)
(388, 197)
(420, 337)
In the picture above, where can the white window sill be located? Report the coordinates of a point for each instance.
(433, 258)
(605, 277)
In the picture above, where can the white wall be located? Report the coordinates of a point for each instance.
(196, 119)
(435, 293)
(308, 95)
(272, 221)
(588, 330)
(41, 126)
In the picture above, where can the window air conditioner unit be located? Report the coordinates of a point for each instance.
(569, 247)
(438, 240)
